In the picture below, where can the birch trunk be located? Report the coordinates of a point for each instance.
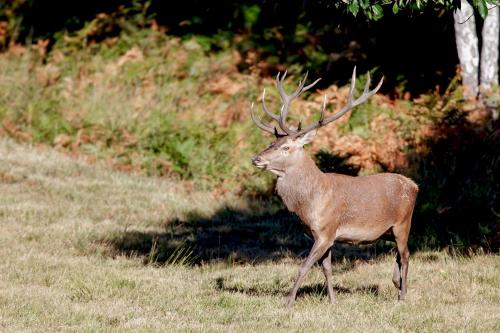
(468, 52)
(489, 51)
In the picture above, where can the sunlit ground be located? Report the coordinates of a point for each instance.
(59, 271)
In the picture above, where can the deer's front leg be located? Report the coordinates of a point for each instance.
(318, 250)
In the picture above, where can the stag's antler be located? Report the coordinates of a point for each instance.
(287, 99)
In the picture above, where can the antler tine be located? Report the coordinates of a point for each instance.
(286, 102)
(350, 103)
(279, 83)
(263, 126)
(264, 107)
(300, 88)
(287, 99)
(258, 122)
(322, 114)
(311, 85)
(367, 94)
(352, 87)
(284, 75)
(367, 83)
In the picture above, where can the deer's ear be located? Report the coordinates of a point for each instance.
(306, 138)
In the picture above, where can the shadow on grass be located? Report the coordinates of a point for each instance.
(230, 235)
(315, 289)
(457, 205)
(267, 233)
(319, 289)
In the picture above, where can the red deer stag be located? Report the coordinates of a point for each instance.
(335, 207)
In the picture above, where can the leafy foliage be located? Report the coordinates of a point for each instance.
(320, 35)
(373, 10)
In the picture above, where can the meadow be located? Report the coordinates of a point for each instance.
(61, 271)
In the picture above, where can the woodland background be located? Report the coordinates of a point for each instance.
(164, 90)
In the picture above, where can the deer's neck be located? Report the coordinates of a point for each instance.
(302, 186)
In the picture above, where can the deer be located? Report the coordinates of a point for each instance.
(334, 207)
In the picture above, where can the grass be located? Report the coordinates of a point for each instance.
(60, 272)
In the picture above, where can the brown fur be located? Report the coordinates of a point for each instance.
(341, 208)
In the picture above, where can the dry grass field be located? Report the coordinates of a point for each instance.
(59, 271)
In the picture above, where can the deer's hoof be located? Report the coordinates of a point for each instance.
(397, 284)
(290, 302)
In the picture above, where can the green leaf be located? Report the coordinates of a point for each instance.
(251, 15)
(482, 8)
(353, 7)
(378, 12)
(364, 3)
(395, 8)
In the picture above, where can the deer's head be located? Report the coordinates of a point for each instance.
(288, 146)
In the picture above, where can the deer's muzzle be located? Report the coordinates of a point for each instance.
(257, 161)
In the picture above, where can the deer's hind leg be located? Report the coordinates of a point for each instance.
(327, 270)
(401, 232)
(396, 275)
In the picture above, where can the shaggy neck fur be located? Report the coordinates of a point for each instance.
(300, 186)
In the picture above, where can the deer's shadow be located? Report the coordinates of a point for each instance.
(267, 233)
(230, 235)
(315, 289)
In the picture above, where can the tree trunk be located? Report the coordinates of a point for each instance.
(489, 51)
(468, 52)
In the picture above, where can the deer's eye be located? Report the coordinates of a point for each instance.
(286, 148)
